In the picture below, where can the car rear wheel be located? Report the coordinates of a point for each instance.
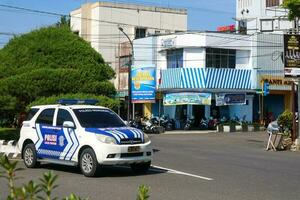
(30, 156)
(140, 168)
(88, 163)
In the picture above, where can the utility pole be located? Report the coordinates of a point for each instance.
(129, 77)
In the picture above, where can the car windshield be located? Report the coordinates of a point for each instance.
(98, 118)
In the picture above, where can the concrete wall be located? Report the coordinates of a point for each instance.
(242, 110)
(270, 18)
(103, 33)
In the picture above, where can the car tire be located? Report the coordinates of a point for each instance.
(88, 162)
(140, 168)
(30, 156)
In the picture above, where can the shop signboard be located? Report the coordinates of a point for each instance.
(143, 84)
(185, 98)
(224, 99)
(292, 55)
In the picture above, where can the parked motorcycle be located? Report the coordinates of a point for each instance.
(188, 124)
(203, 125)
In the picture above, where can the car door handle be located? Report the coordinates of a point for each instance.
(33, 127)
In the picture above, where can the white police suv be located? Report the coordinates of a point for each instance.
(84, 135)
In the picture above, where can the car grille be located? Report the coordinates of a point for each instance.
(129, 155)
(131, 141)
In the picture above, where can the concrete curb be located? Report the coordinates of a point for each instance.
(179, 132)
(10, 149)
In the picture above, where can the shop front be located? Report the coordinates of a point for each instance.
(202, 93)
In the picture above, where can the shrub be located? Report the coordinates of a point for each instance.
(285, 120)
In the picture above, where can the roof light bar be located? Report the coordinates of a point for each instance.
(77, 101)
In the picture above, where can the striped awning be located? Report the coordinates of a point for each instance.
(203, 78)
(228, 79)
(193, 78)
(170, 78)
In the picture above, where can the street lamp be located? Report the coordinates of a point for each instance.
(129, 74)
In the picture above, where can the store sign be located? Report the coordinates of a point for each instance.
(230, 28)
(143, 85)
(224, 99)
(169, 42)
(291, 55)
(276, 81)
(187, 98)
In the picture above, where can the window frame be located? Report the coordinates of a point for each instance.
(220, 58)
(53, 117)
(56, 116)
(174, 58)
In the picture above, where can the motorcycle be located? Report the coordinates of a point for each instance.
(189, 123)
(203, 125)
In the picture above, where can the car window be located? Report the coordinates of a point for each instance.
(46, 117)
(62, 116)
(98, 118)
(31, 113)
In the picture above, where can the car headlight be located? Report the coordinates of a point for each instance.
(106, 139)
(146, 138)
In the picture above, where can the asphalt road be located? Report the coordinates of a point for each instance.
(193, 166)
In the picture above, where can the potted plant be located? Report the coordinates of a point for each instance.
(256, 126)
(285, 121)
(244, 126)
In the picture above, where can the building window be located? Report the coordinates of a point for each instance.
(220, 58)
(271, 3)
(175, 58)
(140, 33)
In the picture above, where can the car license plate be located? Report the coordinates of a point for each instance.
(133, 149)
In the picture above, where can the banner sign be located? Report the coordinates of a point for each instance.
(291, 55)
(143, 83)
(187, 98)
(224, 99)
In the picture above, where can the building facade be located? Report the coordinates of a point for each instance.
(262, 16)
(204, 65)
(99, 23)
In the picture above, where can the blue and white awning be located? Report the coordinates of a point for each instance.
(193, 78)
(203, 78)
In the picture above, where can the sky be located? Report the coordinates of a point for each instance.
(202, 14)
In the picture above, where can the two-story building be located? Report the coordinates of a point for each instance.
(200, 74)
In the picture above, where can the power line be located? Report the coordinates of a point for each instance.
(64, 15)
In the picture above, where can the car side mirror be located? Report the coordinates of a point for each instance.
(126, 123)
(68, 124)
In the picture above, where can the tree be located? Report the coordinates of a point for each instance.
(294, 10)
(50, 61)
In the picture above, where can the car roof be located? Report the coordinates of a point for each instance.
(68, 106)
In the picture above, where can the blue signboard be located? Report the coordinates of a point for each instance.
(143, 83)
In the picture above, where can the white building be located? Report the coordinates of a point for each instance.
(262, 16)
(98, 23)
(200, 62)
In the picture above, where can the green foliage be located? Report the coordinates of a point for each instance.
(44, 189)
(285, 120)
(9, 134)
(103, 100)
(49, 62)
(143, 193)
(31, 190)
(294, 8)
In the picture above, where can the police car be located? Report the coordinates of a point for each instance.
(70, 133)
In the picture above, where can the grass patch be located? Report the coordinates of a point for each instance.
(9, 134)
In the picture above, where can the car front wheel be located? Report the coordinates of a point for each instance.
(88, 163)
(140, 168)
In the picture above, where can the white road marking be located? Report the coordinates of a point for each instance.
(173, 171)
